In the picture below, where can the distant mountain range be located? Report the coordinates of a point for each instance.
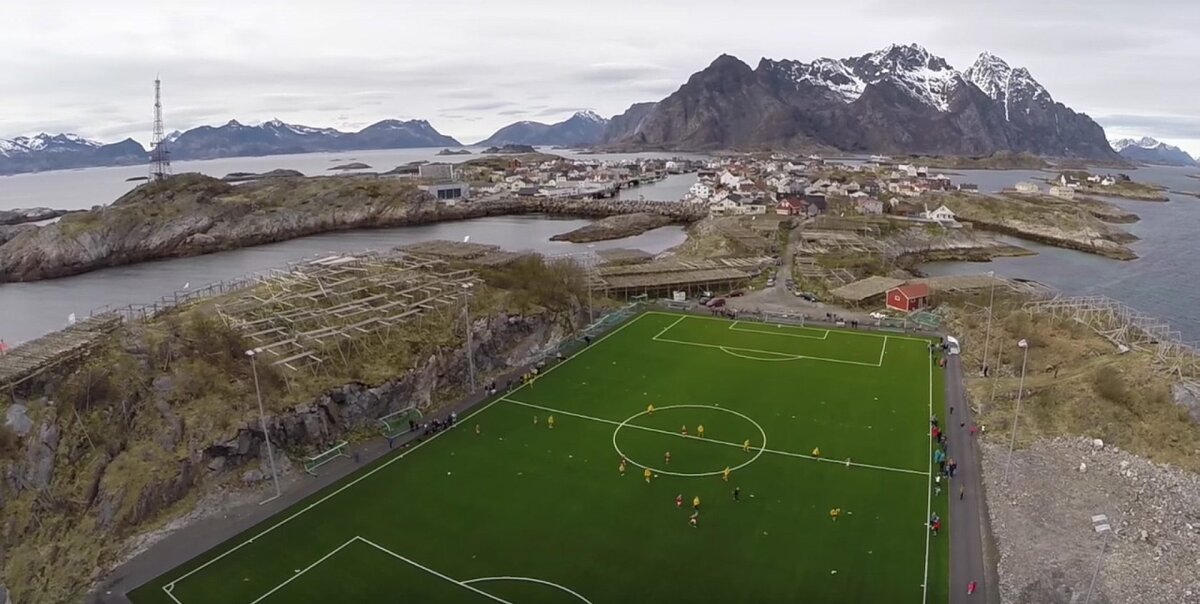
(900, 99)
(234, 139)
(1151, 151)
(583, 128)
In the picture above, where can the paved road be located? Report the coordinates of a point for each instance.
(969, 538)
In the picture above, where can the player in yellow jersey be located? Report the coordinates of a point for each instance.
(696, 503)
(650, 409)
(746, 445)
(816, 452)
(834, 513)
(621, 467)
(725, 474)
(700, 430)
(550, 422)
(647, 474)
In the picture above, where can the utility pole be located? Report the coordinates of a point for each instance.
(262, 418)
(1101, 525)
(1017, 415)
(160, 161)
(470, 351)
(988, 334)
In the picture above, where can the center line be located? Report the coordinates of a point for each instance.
(716, 442)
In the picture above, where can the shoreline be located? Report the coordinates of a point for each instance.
(214, 221)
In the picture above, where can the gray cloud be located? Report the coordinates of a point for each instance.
(69, 67)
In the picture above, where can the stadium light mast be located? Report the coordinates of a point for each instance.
(1101, 524)
(262, 418)
(467, 322)
(1024, 345)
(988, 334)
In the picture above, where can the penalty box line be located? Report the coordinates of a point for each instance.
(866, 333)
(736, 326)
(782, 356)
(364, 540)
(710, 440)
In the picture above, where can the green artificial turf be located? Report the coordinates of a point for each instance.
(549, 506)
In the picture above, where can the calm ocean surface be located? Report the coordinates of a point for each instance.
(1162, 282)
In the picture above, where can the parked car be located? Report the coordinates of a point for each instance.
(716, 303)
(704, 300)
(737, 293)
(878, 315)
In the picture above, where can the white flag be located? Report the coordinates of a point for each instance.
(466, 239)
(1023, 344)
(71, 319)
(187, 285)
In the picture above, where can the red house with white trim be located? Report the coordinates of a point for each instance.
(908, 297)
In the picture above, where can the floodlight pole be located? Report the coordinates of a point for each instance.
(999, 362)
(470, 353)
(262, 418)
(1099, 563)
(988, 334)
(1017, 415)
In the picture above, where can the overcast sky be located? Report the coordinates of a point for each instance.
(471, 66)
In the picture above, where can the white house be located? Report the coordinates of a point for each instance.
(942, 214)
(1026, 187)
(867, 205)
(729, 179)
(1108, 181)
(701, 190)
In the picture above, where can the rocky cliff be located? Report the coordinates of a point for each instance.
(192, 214)
(95, 455)
(901, 99)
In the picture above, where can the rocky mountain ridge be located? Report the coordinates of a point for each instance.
(232, 139)
(582, 128)
(1151, 151)
(895, 100)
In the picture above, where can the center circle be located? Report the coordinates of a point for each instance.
(758, 453)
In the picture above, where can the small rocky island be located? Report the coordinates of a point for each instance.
(25, 215)
(615, 227)
(510, 149)
(454, 152)
(351, 166)
(249, 176)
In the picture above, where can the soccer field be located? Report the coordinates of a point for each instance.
(524, 513)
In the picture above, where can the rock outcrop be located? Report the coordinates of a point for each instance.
(614, 227)
(901, 99)
(24, 215)
(145, 465)
(192, 214)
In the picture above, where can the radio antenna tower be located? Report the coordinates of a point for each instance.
(160, 160)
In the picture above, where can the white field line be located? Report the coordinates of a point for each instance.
(882, 350)
(304, 570)
(668, 328)
(710, 440)
(777, 332)
(843, 332)
(530, 580)
(928, 492)
(432, 572)
(784, 356)
(744, 356)
(170, 587)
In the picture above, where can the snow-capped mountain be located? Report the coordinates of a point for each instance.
(276, 137)
(61, 151)
(899, 99)
(583, 128)
(1005, 85)
(232, 139)
(1151, 151)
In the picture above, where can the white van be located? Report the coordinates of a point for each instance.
(952, 345)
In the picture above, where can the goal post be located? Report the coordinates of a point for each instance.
(397, 424)
(312, 462)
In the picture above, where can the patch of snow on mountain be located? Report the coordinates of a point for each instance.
(590, 116)
(1003, 83)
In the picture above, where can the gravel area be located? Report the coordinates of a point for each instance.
(1048, 546)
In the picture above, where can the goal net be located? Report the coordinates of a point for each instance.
(313, 462)
(395, 425)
